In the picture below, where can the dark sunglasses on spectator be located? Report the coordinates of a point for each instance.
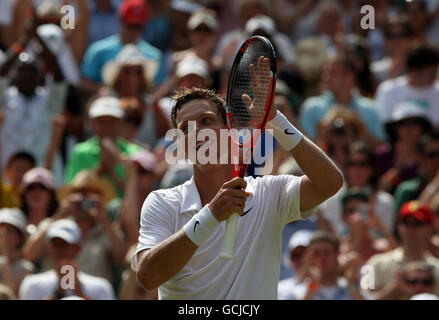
(431, 154)
(203, 28)
(399, 35)
(362, 164)
(412, 222)
(132, 70)
(135, 26)
(425, 282)
(407, 122)
(36, 186)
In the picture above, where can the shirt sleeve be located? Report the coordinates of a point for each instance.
(156, 224)
(285, 193)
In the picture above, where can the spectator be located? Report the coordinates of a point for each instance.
(106, 115)
(133, 15)
(38, 197)
(414, 227)
(103, 20)
(102, 242)
(322, 277)
(230, 41)
(365, 235)
(17, 165)
(359, 49)
(12, 236)
(27, 106)
(415, 281)
(131, 75)
(361, 174)
(419, 279)
(298, 18)
(340, 86)
(293, 258)
(398, 160)
(64, 244)
(398, 40)
(202, 27)
(141, 179)
(429, 168)
(158, 30)
(419, 18)
(419, 84)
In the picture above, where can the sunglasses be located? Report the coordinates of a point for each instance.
(397, 36)
(425, 282)
(203, 28)
(431, 154)
(132, 70)
(36, 186)
(413, 223)
(134, 26)
(408, 122)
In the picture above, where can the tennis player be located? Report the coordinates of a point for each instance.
(181, 233)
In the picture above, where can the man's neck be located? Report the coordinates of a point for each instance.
(209, 180)
(413, 254)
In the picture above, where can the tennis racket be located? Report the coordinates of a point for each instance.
(250, 94)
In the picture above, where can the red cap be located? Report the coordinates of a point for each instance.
(419, 211)
(133, 12)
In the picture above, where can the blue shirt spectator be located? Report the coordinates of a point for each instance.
(314, 110)
(133, 17)
(103, 20)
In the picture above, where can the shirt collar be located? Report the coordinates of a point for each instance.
(191, 197)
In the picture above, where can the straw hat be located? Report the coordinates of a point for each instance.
(130, 55)
(89, 179)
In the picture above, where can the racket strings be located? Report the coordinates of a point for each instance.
(249, 95)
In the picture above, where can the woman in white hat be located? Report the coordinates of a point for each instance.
(13, 233)
(129, 77)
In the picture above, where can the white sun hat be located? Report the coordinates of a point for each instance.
(65, 229)
(128, 56)
(192, 65)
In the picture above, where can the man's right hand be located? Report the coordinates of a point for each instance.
(229, 199)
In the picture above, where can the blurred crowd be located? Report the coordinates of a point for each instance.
(84, 112)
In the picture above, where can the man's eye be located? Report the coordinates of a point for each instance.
(206, 120)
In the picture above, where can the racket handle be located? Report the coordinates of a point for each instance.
(230, 237)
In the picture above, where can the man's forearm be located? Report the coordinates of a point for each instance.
(158, 265)
(318, 167)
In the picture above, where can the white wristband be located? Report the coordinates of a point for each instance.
(284, 132)
(201, 226)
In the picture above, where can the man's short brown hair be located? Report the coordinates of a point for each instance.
(185, 95)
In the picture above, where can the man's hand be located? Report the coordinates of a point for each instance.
(230, 199)
(260, 80)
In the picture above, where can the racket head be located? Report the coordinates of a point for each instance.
(243, 118)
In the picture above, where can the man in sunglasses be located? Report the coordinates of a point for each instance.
(133, 15)
(415, 228)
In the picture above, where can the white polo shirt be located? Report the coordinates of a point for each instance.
(255, 270)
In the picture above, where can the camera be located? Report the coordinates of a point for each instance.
(86, 204)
